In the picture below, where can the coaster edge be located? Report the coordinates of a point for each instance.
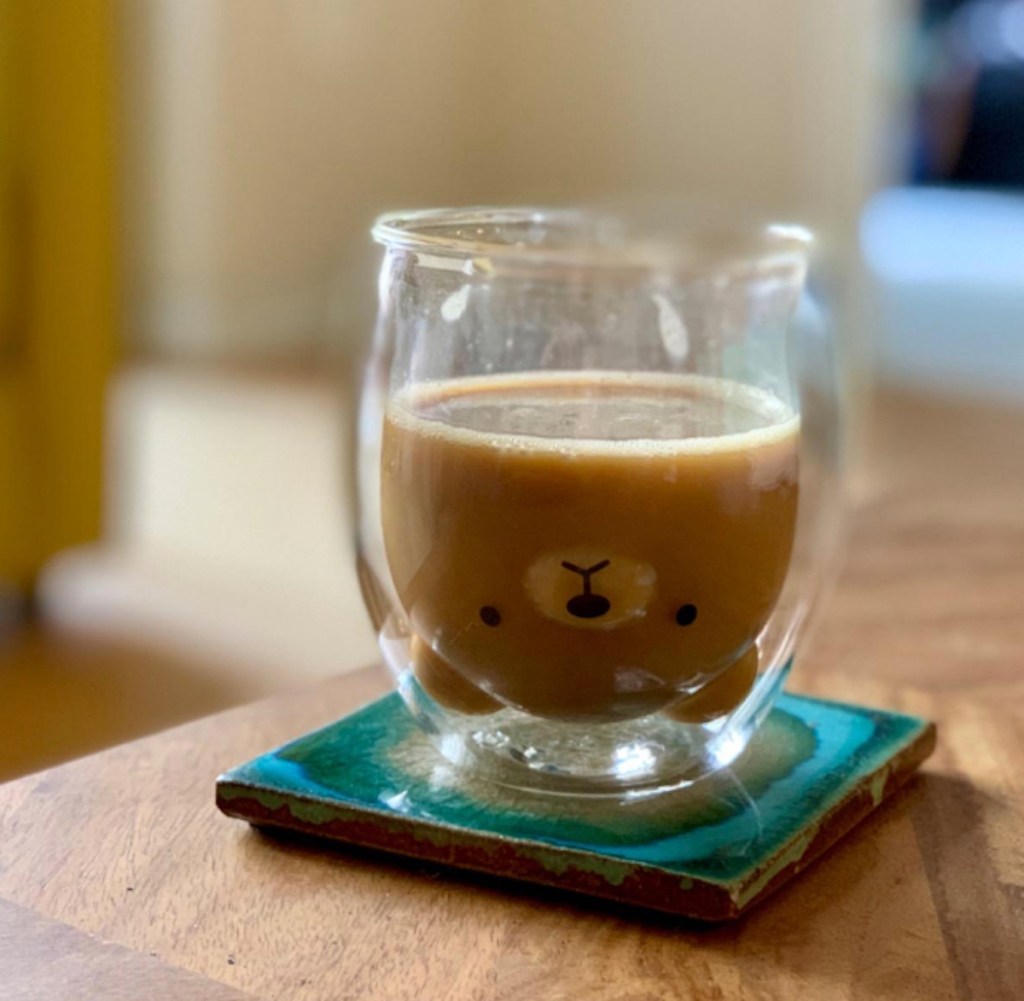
(639, 884)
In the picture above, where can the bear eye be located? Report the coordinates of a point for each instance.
(686, 615)
(490, 616)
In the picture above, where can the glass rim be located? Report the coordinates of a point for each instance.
(457, 238)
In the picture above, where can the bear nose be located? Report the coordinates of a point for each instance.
(589, 587)
(587, 605)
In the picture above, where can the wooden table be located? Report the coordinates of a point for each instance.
(119, 879)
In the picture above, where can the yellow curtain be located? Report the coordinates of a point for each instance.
(58, 298)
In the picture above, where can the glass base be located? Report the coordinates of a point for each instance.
(637, 757)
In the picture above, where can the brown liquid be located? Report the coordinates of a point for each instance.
(588, 546)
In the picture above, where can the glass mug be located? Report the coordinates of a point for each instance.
(597, 476)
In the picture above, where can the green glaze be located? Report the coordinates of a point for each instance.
(734, 831)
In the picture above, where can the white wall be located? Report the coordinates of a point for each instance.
(262, 136)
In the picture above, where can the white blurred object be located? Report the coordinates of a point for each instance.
(947, 268)
(242, 473)
(228, 527)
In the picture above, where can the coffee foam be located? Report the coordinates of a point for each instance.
(415, 409)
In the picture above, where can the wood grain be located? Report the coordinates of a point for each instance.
(926, 901)
(45, 960)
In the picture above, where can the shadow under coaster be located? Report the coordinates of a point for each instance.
(710, 851)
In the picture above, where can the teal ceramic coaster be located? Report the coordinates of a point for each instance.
(813, 771)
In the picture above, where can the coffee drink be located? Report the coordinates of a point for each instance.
(588, 546)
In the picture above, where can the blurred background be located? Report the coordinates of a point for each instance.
(186, 283)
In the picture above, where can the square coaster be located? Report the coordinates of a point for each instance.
(710, 851)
